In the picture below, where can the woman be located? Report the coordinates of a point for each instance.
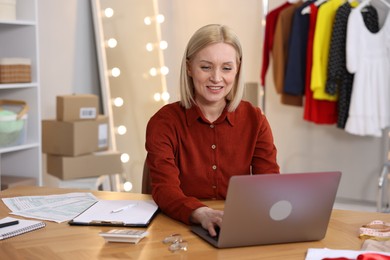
(194, 146)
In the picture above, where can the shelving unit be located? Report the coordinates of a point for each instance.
(19, 38)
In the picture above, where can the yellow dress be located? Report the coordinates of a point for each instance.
(321, 43)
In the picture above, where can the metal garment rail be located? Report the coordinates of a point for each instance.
(383, 181)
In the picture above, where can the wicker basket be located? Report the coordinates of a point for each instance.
(15, 70)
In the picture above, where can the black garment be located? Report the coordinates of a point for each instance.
(339, 79)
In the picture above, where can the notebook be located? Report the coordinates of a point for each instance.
(120, 213)
(22, 227)
(275, 208)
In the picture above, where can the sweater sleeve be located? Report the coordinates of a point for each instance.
(161, 143)
(264, 157)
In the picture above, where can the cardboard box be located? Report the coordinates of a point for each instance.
(77, 107)
(75, 138)
(84, 166)
(13, 181)
(7, 9)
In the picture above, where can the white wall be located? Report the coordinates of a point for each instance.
(67, 54)
(65, 45)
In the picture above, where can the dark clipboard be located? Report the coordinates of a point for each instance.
(134, 213)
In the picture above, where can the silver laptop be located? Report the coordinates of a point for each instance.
(275, 208)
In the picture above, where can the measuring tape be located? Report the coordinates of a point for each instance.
(377, 229)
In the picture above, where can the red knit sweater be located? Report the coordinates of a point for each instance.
(191, 158)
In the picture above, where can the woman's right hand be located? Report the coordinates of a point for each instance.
(208, 218)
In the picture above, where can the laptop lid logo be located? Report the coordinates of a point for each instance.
(280, 210)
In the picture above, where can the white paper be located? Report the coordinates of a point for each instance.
(136, 213)
(57, 208)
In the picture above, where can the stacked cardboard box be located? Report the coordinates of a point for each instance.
(76, 142)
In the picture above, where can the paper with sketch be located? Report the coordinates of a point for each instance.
(118, 212)
(57, 208)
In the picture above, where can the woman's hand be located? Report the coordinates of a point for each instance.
(208, 218)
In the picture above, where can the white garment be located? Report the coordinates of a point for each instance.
(368, 57)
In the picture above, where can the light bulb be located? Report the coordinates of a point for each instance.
(115, 72)
(112, 43)
(127, 186)
(163, 45)
(118, 102)
(157, 97)
(149, 46)
(148, 20)
(164, 70)
(121, 130)
(160, 18)
(108, 12)
(153, 72)
(125, 157)
(165, 96)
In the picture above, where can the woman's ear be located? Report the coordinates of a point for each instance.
(188, 68)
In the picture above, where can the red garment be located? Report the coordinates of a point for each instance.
(364, 256)
(373, 256)
(317, 111)
(269, 31)
(190, 158)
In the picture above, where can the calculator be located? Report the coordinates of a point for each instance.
(124, 235)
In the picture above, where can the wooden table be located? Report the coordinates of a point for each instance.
(61, 241)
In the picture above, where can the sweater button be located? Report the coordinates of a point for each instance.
(214, 167)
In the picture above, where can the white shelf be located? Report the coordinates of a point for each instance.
(17, 22)
(16, 148)
(19, 38)
(19, 85)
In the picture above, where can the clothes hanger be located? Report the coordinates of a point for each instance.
(385, 3)
(306, 10)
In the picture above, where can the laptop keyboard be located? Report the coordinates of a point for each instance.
(217, 229)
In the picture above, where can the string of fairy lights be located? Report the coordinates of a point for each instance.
(158, 47)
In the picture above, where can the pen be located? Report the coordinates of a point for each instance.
(7, 224)
(122, 208)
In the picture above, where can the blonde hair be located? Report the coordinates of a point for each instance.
(210, 34)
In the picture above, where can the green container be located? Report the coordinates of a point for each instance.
(12, 129)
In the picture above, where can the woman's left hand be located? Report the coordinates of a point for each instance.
(208, 218)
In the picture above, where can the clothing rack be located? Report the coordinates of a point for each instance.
(383, 204)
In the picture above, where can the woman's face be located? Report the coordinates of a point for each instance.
(213, 71)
